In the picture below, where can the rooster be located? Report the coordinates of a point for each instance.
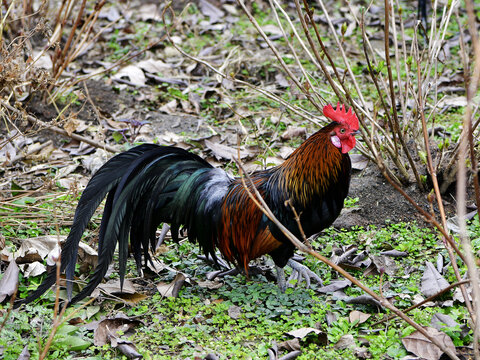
(150, 184)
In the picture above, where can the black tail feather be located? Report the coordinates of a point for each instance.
(99, 185)
(146, 185)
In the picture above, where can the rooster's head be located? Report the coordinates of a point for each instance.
(343, 135)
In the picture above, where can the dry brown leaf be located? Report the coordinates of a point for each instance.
(113, 287)
(153, 66)
(225, 152)
(172, 289)
(25, 354)
(359, 161)
(385, 264)
(235, 312)
(272, 29)
(170, 107)
(358, 316)
(452, 101)
(134, 73)
(133, 299)
(210, 10)
(8, 283)
(334, 286)
(290, 345)
(418, 344)
(345, 342)
(293, 132)
(107, 329)
(285, 151)
(39, 248)
(210, 284)
(33, 269)
(71, 126)
(432, 281)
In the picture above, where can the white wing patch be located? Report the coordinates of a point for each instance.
(216, 188)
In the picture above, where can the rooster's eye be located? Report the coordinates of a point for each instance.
(342, 131)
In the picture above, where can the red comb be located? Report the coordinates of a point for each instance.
(341, 116)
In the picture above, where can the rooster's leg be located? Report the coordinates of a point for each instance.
(301, 272)
(282, 283)
(163, 233)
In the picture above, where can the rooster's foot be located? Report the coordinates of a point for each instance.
(300, 273)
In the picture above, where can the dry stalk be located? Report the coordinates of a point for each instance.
(396, 126)
(437, 192)
(319, 59)
(56, 316)
(260, 202)
(295, 55)
(343, 53)
(277, 54)
(465, 141)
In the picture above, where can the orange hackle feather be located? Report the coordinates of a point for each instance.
(311, 168)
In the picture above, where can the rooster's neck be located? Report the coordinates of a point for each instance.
(312, 169)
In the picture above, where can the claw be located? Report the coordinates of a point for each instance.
(301, 272)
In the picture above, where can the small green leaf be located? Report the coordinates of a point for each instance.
(117, 136)
(25, 200)
(71, 343)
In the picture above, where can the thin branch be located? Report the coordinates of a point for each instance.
(279, 57)
(396, 128)
(436, 188)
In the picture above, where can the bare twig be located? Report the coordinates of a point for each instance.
(396, 127)
(31, 151)
(437, 192)
(278, 56)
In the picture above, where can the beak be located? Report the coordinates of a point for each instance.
(356, 132)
